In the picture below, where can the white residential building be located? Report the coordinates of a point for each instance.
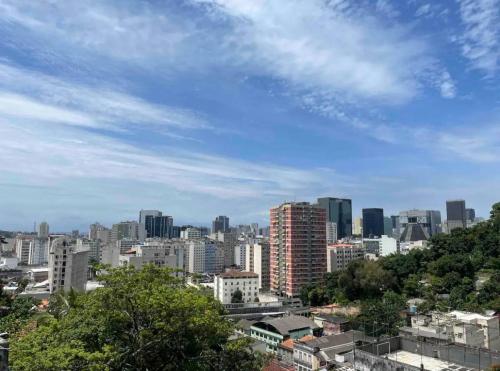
(157, 254)
(240, 255)
(205, 256)
(110, 255)
(191, 233)
(331, 232)
(225, 284)
(23, 248)
(340, 255)
(257, 260)
(68, 266)
(382, 246)
(471, 329)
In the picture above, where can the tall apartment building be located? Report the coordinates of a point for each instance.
(240, 255)
(125, 230)
(338, 256)
(228, 241)
(190, 233)
(257, 260)
(205, 256)
(455, 214)
(68, 266)
(298, 247)
(43, 230)
(331, 232)
(338, 211)
(93, 229)
(220, 224)
(23, 247)
(373, 222)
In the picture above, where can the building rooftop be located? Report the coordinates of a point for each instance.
(331, 318)
(287, 324)
(288, 344)
(238, 274)
(332, 341)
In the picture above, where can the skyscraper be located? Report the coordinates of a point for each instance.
(338, 211)
(455, 214)
(158, 226)
(220, 224)
(429, 220)
(43, 230)
(297, 247)
(373, 222)
(470, 214)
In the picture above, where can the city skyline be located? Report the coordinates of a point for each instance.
(223, 107)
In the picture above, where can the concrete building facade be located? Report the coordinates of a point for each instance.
(297, 247)
(225, 284)
(68, 266)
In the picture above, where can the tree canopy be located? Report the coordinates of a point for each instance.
(139, 320)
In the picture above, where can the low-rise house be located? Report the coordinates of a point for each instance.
(321, 352)
(469, 329)
(285, 349)
(331, 324)
(274, 331)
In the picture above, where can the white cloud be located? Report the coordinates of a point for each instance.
(314, 45)
(447, 85)
(29, 94)
(481, 37)
(57, 153)
(385, 7)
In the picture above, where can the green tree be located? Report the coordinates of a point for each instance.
(139, 320)
(382, 316)
(237, 297)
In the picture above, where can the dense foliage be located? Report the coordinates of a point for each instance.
(460, 270)
(139, 320)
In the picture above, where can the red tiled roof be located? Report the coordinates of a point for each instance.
(238, 274)
(276, 365)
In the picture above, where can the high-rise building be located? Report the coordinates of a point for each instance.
(455, 214)
(190, 233)
(331, 232)
(470, 214)
(43, 230)
(204, 256)
(144, 213)
(158, 226)
(338, 211)
(298, 247)
(387, 226)
(257, 258)
(357, 226)
(429, 220)
(340, 255)
(68, 266)
(94, 229)
(125, 230)
(220, 224)
(228, 241)
(373, 222)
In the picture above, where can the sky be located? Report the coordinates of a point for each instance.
(201, 108)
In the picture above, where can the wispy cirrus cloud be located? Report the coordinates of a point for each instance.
(33, 95)
(324, 46)
(480, 40)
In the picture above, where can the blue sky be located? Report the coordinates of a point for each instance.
(208, 107)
